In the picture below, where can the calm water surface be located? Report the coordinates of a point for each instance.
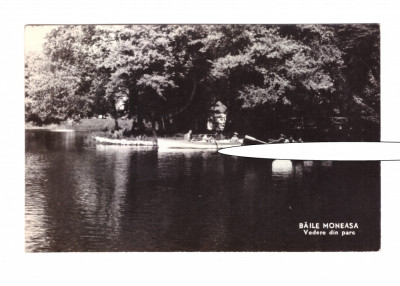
(83, 197)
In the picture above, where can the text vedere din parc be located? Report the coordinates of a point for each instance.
(329, 228)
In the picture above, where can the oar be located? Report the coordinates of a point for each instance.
(254, 139)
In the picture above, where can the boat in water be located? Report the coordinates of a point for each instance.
(124, 142)
(201, 145)
(164, 143)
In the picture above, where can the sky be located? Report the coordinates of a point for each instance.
(34, 37)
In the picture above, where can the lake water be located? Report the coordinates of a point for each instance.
(83, 197)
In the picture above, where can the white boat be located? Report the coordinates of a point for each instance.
(164, 143)
(125, 142)
(201, 145)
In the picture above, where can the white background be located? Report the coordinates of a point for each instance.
(19, 268)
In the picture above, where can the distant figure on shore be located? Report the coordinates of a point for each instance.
(291, 140)
(188, 136)
(300, 140)
(235, 138)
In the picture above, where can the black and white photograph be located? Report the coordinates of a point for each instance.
(123, 124)
(199, 143)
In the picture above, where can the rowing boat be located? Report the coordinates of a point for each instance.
(164, 143)
(201, 145)
(125, 142)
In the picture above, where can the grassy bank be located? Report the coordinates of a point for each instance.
(97, 126)
(92, 124)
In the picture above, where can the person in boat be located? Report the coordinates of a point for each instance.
(207, 138)
(235, 138)
(188, 136)
(291, 140)
(281, 139)
(114, 134)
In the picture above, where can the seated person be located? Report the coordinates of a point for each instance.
(114, 134)
(206, 138)
(188, 136)
(235, 138)
(282, 138)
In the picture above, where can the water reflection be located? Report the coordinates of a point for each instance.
(298, 170)
(124, 198)
(326, 163)
(282, 168)
(308, 165)
(35, 204)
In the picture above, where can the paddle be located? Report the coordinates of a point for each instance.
(254, 139)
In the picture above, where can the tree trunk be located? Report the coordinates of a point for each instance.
(153, 129)
(115, 113)
(116, 123)
(162, 123)
(134, 109)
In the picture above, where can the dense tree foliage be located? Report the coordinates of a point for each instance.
(361, 47)
(170, 75)
(58, 82)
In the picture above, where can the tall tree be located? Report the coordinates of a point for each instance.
(58, 82)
